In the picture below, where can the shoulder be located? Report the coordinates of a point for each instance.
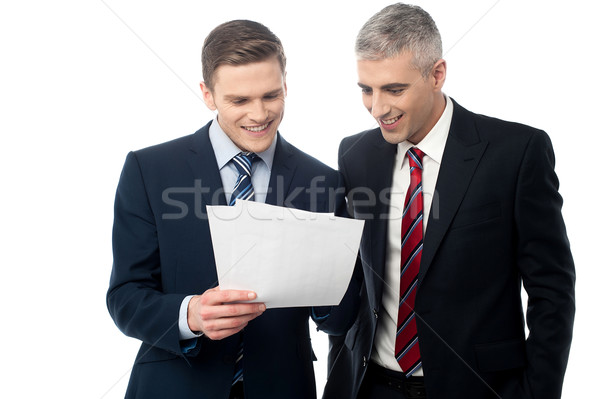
(173, 151)
(364, 138)
(160, 159)
(169, 148)
(164, 160)
(356, 144)
(496, 130)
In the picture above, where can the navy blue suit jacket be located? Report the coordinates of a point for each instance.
(163, 252)
(495, 225)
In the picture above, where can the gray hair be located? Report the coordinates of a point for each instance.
(401, 28)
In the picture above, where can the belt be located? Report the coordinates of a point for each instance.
(411, 387)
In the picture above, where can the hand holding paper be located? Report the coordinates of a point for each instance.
(287, 256)
(221, 313)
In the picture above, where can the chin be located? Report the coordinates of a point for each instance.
(393, 138)
(257, 147)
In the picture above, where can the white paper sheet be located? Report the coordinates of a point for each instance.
(287, 256)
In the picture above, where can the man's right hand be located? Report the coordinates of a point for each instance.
(215, 314)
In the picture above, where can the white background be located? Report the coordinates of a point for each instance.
(84, 82)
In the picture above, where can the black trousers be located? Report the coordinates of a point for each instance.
(381, 383)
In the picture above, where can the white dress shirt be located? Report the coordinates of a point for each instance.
(225, 150)
(433, 146)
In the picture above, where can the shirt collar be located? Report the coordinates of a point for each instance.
(225, 149)
(434, 142)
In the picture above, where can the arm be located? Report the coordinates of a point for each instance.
(546, 266)
(336, 320)
(340, 318)
(135, 298)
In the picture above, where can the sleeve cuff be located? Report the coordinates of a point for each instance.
(320, 313)
(184, 329)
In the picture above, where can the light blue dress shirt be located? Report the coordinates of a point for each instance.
(225, 150)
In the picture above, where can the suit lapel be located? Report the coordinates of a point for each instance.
(282, 172)
(202, 161)
(462, 154)
(382, 160)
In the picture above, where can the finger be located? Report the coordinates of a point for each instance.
(221, 334)
(216, 296)
(231, 310)
(229, 323)
(240, 309)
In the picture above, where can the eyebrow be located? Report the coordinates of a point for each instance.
(395, 86)
(389, 86)
(273, 93)
(230, 97)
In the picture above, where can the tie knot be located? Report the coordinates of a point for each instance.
(415, 157)
(243, 162)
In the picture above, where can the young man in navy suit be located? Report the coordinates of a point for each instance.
(461, 211)
(199, 341)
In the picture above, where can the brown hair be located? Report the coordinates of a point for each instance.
(239, 42)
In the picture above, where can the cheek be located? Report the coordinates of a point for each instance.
(277, 107)
(423, 110)
(235, 117)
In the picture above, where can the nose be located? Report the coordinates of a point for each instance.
(379, 105)
(258, 112)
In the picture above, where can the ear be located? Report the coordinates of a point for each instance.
(284, 84)
(438, 74)
(207, 96)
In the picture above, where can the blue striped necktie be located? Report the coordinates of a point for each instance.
(242, 190)
(243, 186)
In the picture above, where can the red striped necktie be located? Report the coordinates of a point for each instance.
(407, 342)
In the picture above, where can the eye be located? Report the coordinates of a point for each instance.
(366, 90)
(239, 101)
(274, 95)
(396, 92)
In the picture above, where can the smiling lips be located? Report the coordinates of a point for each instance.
(257, 129)
(390, 123)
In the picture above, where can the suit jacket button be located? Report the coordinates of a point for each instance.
(375, 313)
(364, 361)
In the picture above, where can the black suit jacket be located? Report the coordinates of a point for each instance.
(163, 252)
(495, 224)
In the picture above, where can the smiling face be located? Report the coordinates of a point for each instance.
(250, 100)
(405, 104)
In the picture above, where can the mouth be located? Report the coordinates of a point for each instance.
(391, 122)
(257, 129)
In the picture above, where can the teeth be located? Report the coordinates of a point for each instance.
(256, 128)
(390, 121)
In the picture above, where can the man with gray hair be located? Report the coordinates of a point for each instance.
(461, 211)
